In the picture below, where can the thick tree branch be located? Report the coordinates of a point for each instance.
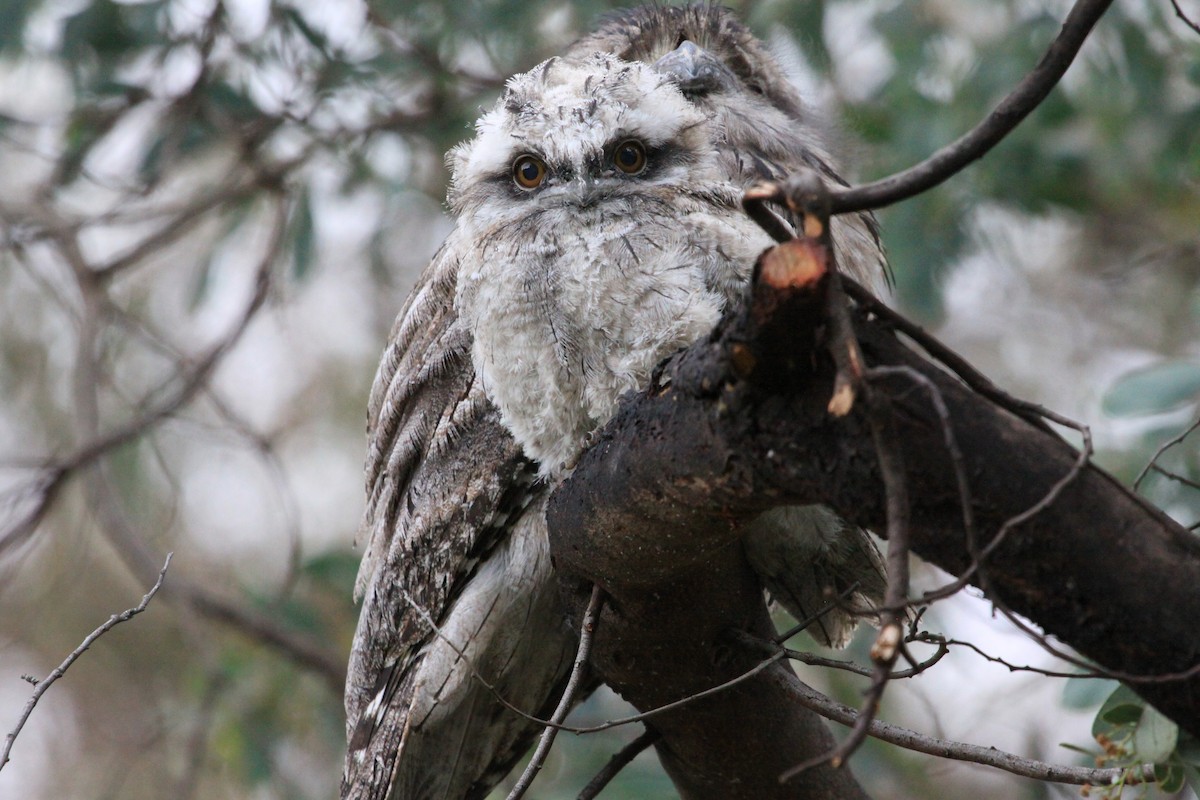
(738, 423)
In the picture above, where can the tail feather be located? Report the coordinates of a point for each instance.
(435, 731)
(808, 557)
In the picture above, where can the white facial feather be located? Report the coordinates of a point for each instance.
(575, 290)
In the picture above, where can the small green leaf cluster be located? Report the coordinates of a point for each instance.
(1131, 734)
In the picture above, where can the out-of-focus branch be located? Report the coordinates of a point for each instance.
(191, 381)
(44, 684)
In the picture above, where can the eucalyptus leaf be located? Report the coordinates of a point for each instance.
(303, 235)
(1155, 389)
(1155, 737)
(1169, 776)
(1087, 692)
(1123, 707)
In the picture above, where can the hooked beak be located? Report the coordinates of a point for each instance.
(695, 70)
(583, 190)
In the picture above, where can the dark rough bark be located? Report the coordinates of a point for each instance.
(653, 510)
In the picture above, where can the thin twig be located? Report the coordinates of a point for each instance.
(618, 762)
(1175, 476)
(1186, 19)
(1120, 675)
(586, 630)
(754, 202)
(1030, 412)
(973, 145)
(977, 561)
(61, 669)
(961, 751)
(942, 642)
(813, 660)
(976, 380)
(1164, 447)
(849, 666)
(822, 611)
(612, 723)
(887, 645)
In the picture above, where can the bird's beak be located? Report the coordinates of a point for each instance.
(583, 190)
(695, 70)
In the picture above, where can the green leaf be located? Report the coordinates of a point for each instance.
(1191, 776)
(1086, 692)
(336, 569)
(303, 235)
(13, 14)
(231, 103)
(1169, 777)
(1155, 389)
(1122, 707)
(1188, 749)
(1155, 737)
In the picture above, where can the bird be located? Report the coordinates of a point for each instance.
(598, 229)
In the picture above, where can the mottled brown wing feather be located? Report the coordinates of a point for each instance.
(440, 470)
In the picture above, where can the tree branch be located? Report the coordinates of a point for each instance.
(974, 144)
(569, 696)
(739, 422)
(961, 751)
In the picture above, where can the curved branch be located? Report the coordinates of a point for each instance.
(974, 144)
(961, 751)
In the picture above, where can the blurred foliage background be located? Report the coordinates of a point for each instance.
(210, 213)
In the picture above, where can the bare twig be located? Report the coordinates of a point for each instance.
(1102, 672)
(754, 202)
(978, 558)
(1186, 19)
(822, 611)
(849, 666)
(1175, 476)
(613, 723)
(1030, 412)
(973, 145)
(943, 642)
(960, 751)
(887, 645)
(618, 762)
(61, 669)
(1162, 449)
(814, 660)
(586, 630)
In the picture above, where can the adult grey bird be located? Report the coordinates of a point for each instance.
(598, 229)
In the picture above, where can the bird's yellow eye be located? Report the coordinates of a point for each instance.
(529, 172)
(630, 157)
